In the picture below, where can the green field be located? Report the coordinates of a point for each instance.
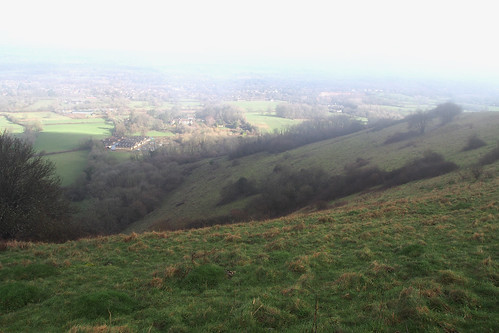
(45, 117)
(101, 128)
(51, 118)
(269, 123)
(261, 114)
(67, 137)
(55, 138)
(9, 126)
(420, 258)
(69, 166)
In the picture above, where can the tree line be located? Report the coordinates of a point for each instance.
(298, 135)
(285, 190)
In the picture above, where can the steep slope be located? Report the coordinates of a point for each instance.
(197, 198)
(420, 257)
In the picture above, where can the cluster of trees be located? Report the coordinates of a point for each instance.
(285, 190)
(419, 121)
(299, 135)
(142, 122)
(444, 112)
(224, 115)
(301, 111)
(114, 195)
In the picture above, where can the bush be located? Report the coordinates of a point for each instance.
(474, 142)
(285, 190)
(240, 189)
(490, 157)
(430, 165)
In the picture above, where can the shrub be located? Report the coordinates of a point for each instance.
(430, 165)
(474, 142)
(490, 157)
(240, 189)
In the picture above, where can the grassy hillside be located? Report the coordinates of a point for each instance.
(420, 257)
(198, 196)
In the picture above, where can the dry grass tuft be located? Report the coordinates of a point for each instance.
(129, 238)
(278, 244)
(325, 219)
(156, 234)
(13, 244)
(450, 277)
(378, 268)
(137, 247)
(487, 261)
(299, 265)
(100, 329)
(271, 233)
(349, 279)
(232, 237)
(478, 236)
(156, 282)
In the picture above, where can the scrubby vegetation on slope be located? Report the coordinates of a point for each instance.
(222, 190)
(421, 257)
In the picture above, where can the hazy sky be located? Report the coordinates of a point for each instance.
(428, 35)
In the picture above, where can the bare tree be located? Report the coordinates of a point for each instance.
(418, 121)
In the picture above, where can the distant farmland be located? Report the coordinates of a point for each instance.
(61, 135)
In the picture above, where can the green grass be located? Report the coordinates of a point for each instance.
(69, 166)
(101, 128)
(43, 116)
(66, 137)
(269, 123)
(425, 261)
(55, 142)
(63, 137)
(10, 127)
(262, 115)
